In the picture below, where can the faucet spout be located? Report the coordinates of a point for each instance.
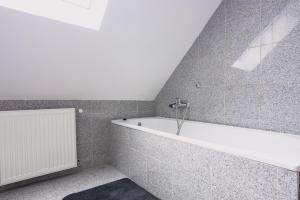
(172, 105)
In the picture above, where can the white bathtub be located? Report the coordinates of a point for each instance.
(273, 148)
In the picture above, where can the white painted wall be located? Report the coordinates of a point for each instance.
(138, 47)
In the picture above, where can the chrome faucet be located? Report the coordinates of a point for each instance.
(179, 104)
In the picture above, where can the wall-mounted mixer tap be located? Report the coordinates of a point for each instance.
(179, 103)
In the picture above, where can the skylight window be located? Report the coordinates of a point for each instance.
(84, 13)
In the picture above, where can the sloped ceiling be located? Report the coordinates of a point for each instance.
(137, 48)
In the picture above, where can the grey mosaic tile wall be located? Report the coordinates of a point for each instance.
(93, 124)
(262, 37)
(174, 170)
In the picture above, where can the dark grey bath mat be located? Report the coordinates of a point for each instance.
(123, 189)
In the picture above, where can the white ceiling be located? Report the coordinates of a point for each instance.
(137, 48)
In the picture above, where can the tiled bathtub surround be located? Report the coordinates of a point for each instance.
(92, 125)
(246, 62)
(174, 170)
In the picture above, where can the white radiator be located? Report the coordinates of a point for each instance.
(35, 143)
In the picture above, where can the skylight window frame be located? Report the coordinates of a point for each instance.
(62, 10)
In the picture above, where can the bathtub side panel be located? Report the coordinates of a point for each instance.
(238, 178)
(288, 185)
(119, 148)
(173, 170)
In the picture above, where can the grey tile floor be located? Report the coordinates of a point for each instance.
(56, 189)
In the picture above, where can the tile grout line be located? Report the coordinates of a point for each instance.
(277, 184)
(259, 73)
(226, 63)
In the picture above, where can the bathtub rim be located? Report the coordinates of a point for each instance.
(252, 155)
